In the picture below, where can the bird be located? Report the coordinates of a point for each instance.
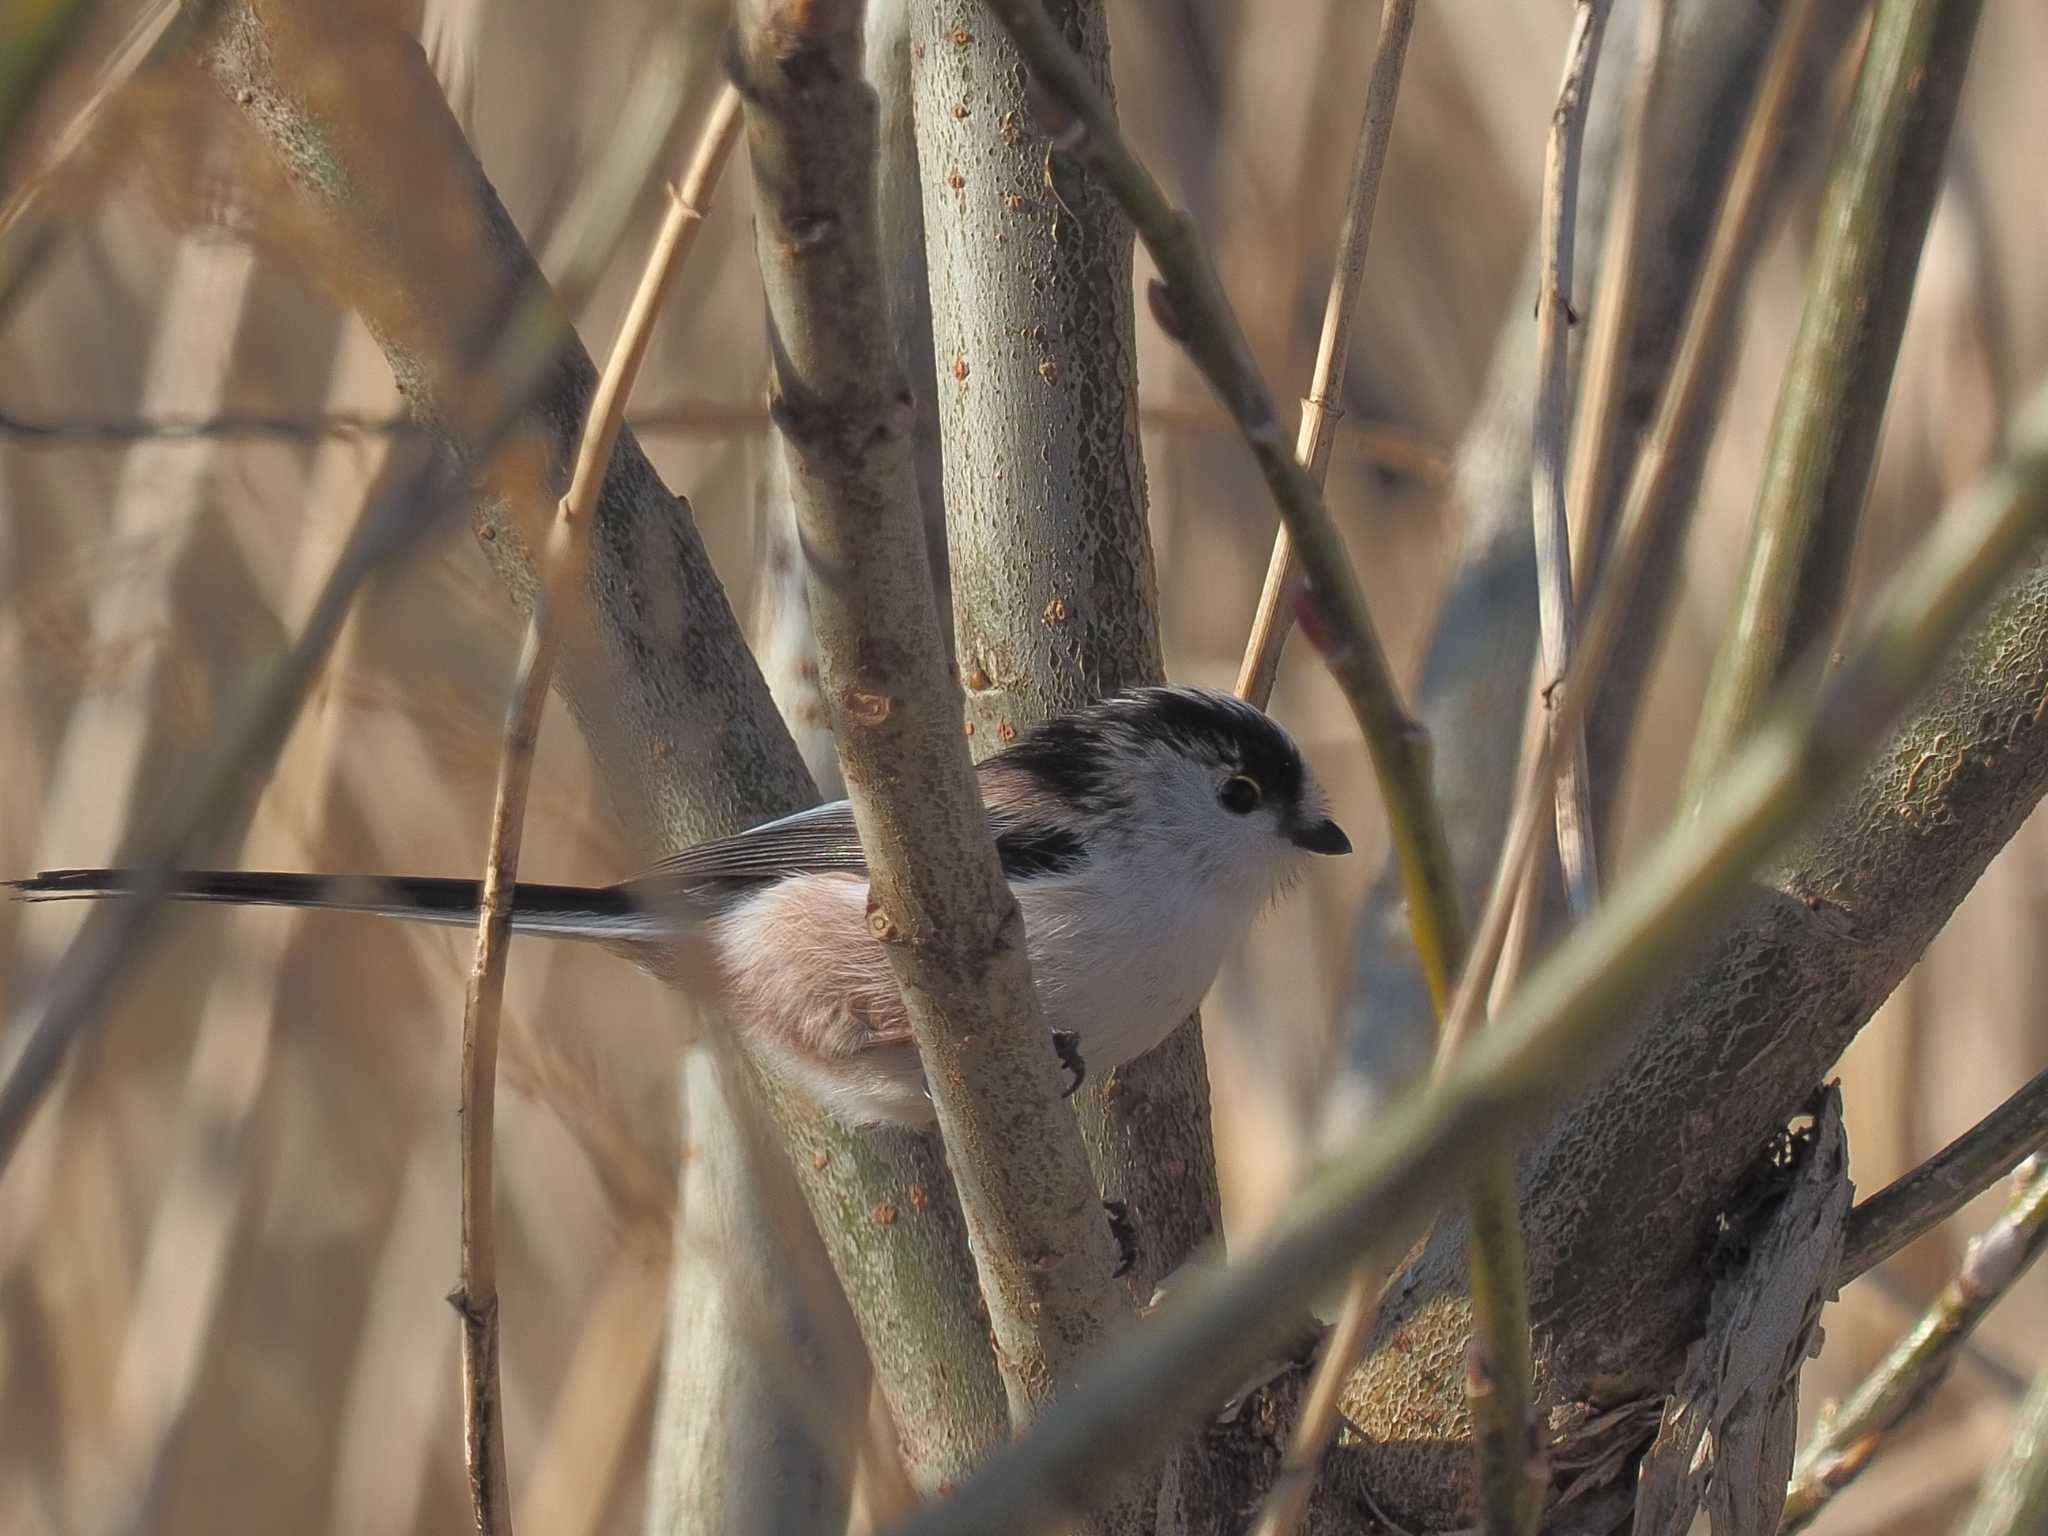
(1141, 836)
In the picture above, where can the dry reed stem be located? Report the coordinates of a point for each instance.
(101, 757)
(476, 1294)
(1322, 407)
(1596, 445)
(105, 754)
(515, 357)
(1557, 619)
(610, 1372)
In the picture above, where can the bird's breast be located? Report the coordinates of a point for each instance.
(1122, 968)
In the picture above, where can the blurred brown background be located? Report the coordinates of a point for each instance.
(236, 1222)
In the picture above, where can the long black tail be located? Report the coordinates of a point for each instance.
(606, 914)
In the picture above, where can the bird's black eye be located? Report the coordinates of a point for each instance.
(1240, 794)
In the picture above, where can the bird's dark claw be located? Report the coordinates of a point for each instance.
(1125, 1232)
(1067, 1045)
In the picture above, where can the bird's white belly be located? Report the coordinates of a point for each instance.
(814, 999)
(1122, 988)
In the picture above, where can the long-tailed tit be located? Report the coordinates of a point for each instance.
(1141, 836)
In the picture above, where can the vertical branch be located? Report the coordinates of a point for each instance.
(1555, 609)
(476, 1296)
(1473, 678)
(1191, 306)
(1873, 223)
(1322, 407)
(1604, 417)
(1054, 596)
(939, 903)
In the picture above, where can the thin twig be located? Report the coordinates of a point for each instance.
(1563, 1027)
(1501, 1410)
(1597, 442)
(1880, 198)
(119, 431)
(1679, 405)
(1597, 422)
(1921, 1200)
(1554, 315)
(476, 1296)
(1499, 1371)
(1847, 1438)
(2014, 1496)
(1322, 408)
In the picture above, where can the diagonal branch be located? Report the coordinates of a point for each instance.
(1474, 670)
(940, 903)
(1565, 1024)
(1191, 306)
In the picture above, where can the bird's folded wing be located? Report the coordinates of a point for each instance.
(1031, 839)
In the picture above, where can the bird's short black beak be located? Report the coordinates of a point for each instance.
(1323, 836)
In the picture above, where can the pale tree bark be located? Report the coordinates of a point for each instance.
(1054, 596)
(939, 904)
